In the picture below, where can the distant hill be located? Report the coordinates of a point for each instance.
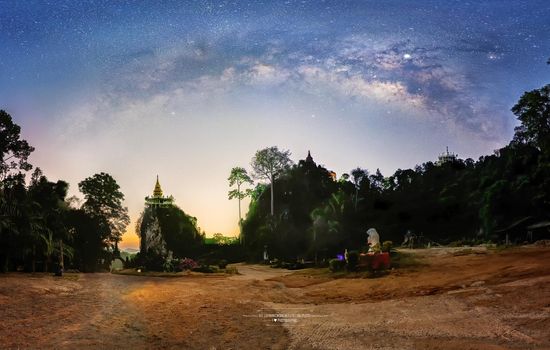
(129, 253)
(130, 250)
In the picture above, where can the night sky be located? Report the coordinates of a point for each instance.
(188, 90)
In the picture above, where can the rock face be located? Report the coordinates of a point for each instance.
(152, 240)
(165, 231)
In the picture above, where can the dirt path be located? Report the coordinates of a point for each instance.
(258, 272)
(118, 312)
(482, 300)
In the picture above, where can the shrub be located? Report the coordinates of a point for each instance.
(187, 264)
(296, 266)
(336, 265)
(387, 246)
(459, 243)
(169, 265)
(154, 262)
(353, 259)
(222, 264)
(232, 270)
(276, 263)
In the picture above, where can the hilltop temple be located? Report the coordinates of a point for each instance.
(151, 238)
(309, 163)
(446, 158)
(157, 200)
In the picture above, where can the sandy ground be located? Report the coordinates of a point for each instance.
(481, 300)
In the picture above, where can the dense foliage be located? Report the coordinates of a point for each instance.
(38, 222)
(179, 232)
(103, 199)
(456, 200)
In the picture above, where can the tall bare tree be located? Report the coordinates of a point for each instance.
(268, 164)
(357, 176)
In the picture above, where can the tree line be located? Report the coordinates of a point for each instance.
(296, 210)
(301, 211)
(40, 228)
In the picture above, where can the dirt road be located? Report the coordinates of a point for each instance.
(481, 300)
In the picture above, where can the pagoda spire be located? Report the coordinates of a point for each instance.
(157, 192)
(309, 158)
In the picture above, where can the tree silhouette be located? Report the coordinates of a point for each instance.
(104, 199)
(239, 176)
(357, 176)
(268, 164)
(14, 152)
(533, 111)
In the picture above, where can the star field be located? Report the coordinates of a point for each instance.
(189, 89)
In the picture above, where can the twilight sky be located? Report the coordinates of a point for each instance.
(189, 89)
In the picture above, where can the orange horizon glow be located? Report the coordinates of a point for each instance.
(130, 238)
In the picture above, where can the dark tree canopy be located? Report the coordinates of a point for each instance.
(14, 152)
(89, 237)
(533, 111)
(455, 200)
(103, 198)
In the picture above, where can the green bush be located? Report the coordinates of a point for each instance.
(387, 246)
(222, 263)
(336, 265)
(353, 260)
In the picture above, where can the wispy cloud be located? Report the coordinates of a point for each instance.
(398, 75)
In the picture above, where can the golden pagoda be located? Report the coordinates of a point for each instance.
(157, 192)
(158, 200)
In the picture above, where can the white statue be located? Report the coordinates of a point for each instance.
(373, 241)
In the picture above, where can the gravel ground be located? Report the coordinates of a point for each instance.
(476, 299)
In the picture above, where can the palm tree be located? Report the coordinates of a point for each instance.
(54, 247)
(239, 177)
(49, 247)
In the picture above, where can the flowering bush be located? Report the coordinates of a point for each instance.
(187, 264)
(336, 265)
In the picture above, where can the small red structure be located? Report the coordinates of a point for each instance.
(374, 261)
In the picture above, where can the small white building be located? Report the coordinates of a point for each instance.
(446, 157)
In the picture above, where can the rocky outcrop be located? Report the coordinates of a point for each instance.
(152, 240)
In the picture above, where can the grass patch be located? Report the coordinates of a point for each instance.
(221, 272)
(312, 272)
(71, 276)
(231, 270)
(399, 260)
(499, 248)
(469, 251)
(465, 251)
(402, 260)
(132, 272)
